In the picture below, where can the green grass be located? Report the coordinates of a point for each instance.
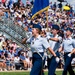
(25, 73)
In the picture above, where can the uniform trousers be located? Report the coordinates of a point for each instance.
(52, 64)
(37, 64)
(67, 64)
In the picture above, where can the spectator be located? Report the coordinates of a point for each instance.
(23, 60)
(60, 6)
(54, 6)
(17, 62)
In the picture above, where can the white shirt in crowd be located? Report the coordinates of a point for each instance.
(16, 59)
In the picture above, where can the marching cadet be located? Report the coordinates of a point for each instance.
(54, 41)
(68, 45)
(38, 45)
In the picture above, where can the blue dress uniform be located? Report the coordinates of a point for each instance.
(68, 45)
(38, 46)
(52, 64)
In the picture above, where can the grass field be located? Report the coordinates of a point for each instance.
(25, 73)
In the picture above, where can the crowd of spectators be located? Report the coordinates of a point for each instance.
(13, 56)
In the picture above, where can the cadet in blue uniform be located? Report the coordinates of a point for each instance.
(38, 45)
(68, 46)
(54, 41)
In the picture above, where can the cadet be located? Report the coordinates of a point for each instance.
(54, 41)
(68, 46)
(38, 45)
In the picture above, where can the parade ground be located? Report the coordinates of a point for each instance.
(25, 73)
(22, 72)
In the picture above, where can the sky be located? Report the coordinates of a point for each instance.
(72, 2)
(69, 1)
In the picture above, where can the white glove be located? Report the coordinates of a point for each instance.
(48, 37)
(57, 59)
(69, 55)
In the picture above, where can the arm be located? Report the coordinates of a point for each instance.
(52, 52)
(54, 39)
(60, 49)
(57, 39)
(56, 57)
(73, 51)
(47, 46)
(26, 40)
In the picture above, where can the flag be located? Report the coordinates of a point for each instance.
(39, 6)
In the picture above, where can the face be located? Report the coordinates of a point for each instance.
(43, 33)
(34, 31)
(54, 31)
(68, 33)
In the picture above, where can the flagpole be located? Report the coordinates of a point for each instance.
(47, 19)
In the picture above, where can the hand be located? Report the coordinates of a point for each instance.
(57, 59)
(24, 40)
(48, 37)
(69, 55)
